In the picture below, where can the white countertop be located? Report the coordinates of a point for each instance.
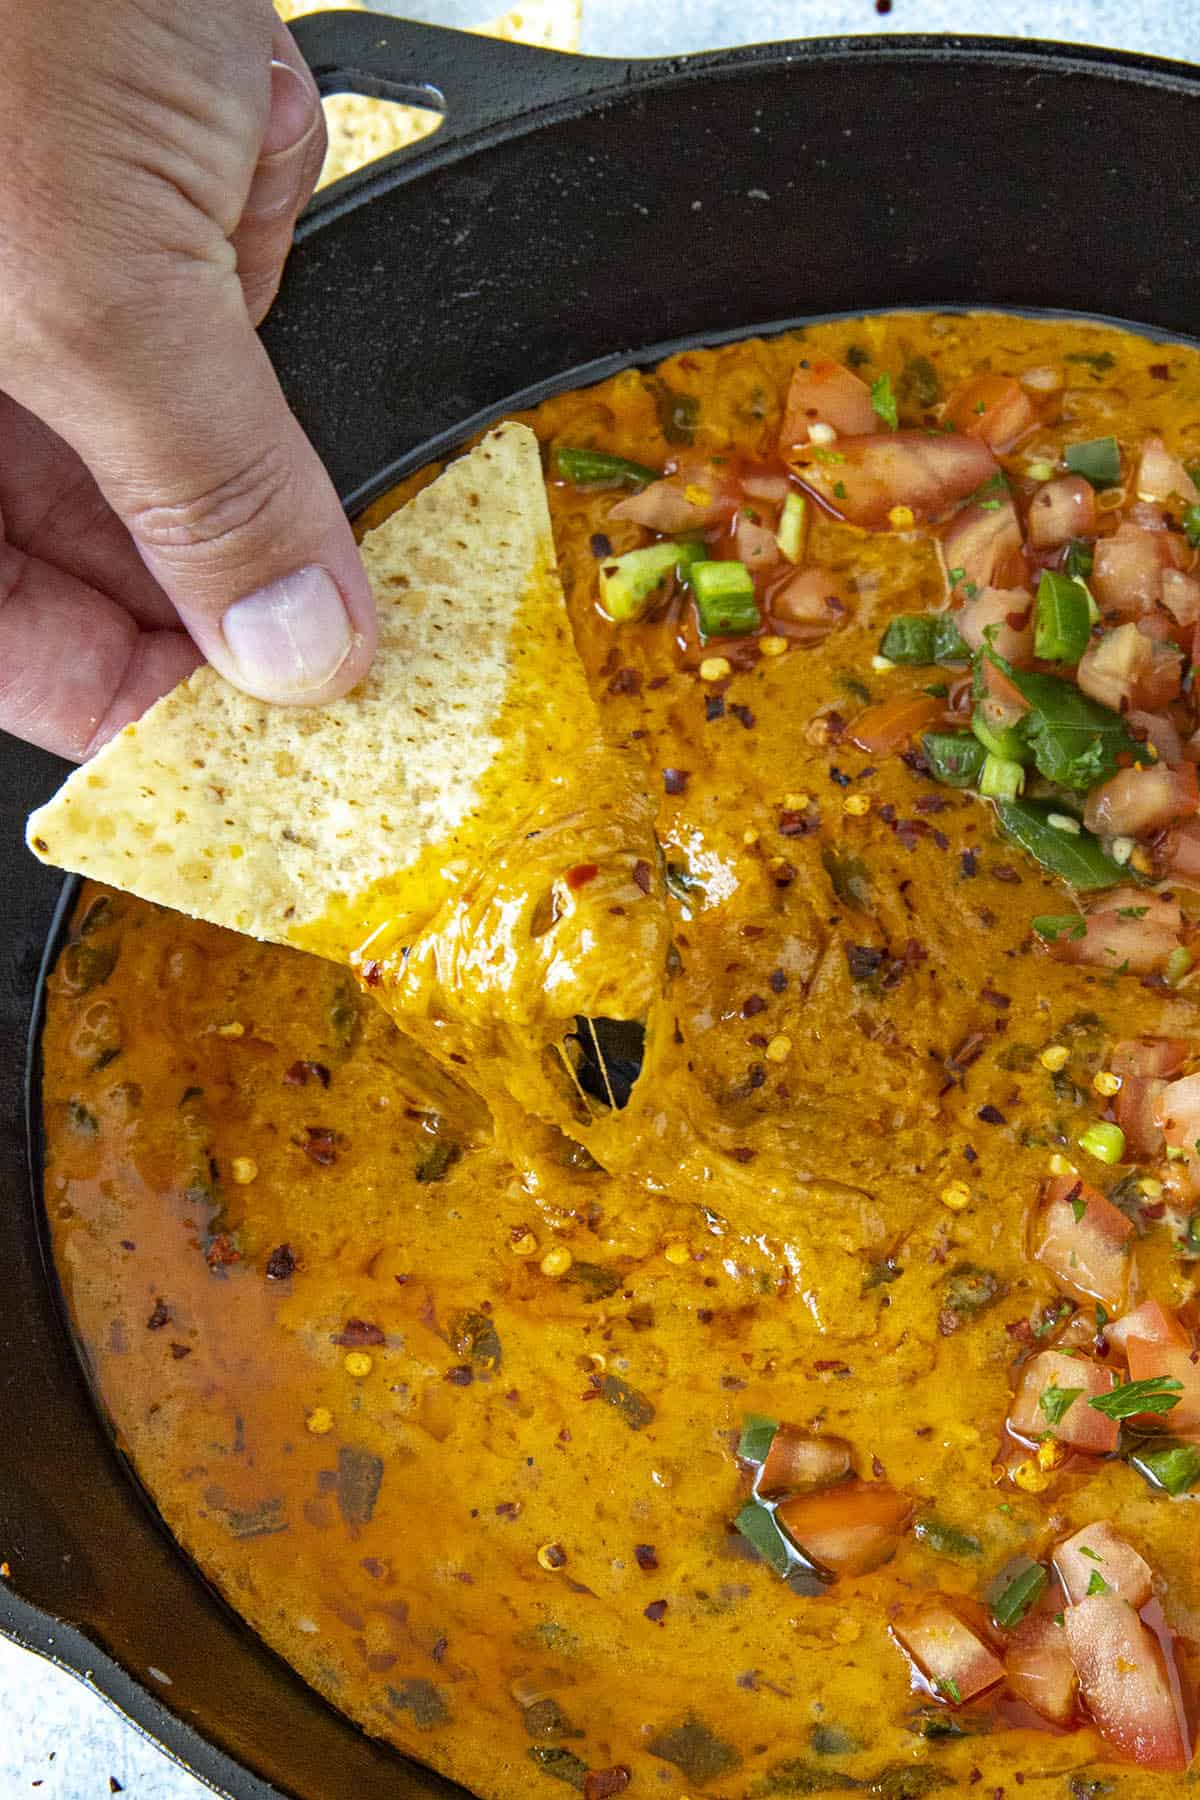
(58, 1740)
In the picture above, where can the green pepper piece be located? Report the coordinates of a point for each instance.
(923, 638)
(954, 757)
(597, 469)
(1077, 857)
(1062, 625)
(1098, 461)
(758, 1434)
(1017, 1594)
(724, 598)
(756, 1523)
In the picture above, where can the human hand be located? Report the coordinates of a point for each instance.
(153, 482)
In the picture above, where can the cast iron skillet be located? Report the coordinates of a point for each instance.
(571, 214)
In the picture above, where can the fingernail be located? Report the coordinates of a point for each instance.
(276, 184)
(290, 638)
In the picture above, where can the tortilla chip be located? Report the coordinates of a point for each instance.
(362, 129)
(310, 826)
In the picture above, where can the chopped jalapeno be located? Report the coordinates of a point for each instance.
(1061, 620)
(1018, 1593)
(597, 469)
(923, 638)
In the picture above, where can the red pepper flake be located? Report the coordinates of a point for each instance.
(508, 1509)
(374, 1568)
(783, 875)
(970, 1152)
(372, 973)
(552, 1556)
(742, 1154)
(282, 1263)
(991, 1115)
(675, 780)
(714, 707)
(1020, 1329)
(832, 1367)
(356, 1334)
(320, 1145)
(660, 681)
(179, 1351)
(969, 864)
(777, 981)
(932, 803)
(647, 1556)
(600, 545)
(602, 1784)
(459, 1377)
(798, 823)
(159, 1317)
(656, 1612)
(581, 874)
(641, 874)
(1006, 873)
(301, 1073)
(839, 777)
(1159, 371)
(754, 1003)
(1001, 1002)
(222, 1251)
(626, 681)
(743, 715)
(756, 1074)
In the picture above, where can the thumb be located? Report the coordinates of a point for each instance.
(187, 433)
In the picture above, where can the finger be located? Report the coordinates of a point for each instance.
(180, 417)
(51, 508)
(289, 163)
(74, 668)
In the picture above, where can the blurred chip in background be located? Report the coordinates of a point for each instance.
(361, 129)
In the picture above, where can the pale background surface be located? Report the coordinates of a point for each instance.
(58, 1740)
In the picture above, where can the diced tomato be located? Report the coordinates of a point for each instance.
(984, 541)
(953, 1659)
(802, 1459)
(807, 604)
(1177, 1362)
(1003, 704)
(1181, 597)
(1162, 681)
(1181, 861)
(822, 391)
(1159, 730)
(894, 723)
(1112, 666)
(1064, 508)
(1138, 801)
(698, 495)
(1008, 614)
(765, 484)
(1162, 477)
(847, 1529)
(1127, 572)
(754, 543)
(1125, 1684)
(992, 407)
(1143, 1065)
(1150, 1322)
(1079, 1425)
(1089, 1255)
(1133, 930)
(862, 479)
(1178, 1112)
(1038, 1668)
(1099, 1550)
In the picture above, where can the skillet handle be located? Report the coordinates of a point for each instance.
(476, 83)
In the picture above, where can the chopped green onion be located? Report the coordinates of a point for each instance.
(1079, 559)
(1080, 860)
(884, 401)
(1055, 1401)
(1105, 1142)
(629, 583)
(1172, 1467)
(945, 1539)
(1018, 1594)
(947, 1685)
(756, 1523)
(1098, 461)
(923, 638)
(1052, 926)
(597, 469)
(758, 1434)
(954, 757)
(1191, 525)
(1189, 1244)
(1157, 1394)
(1009, 745)
(724, 598)
(1179, 964)
(1001, 779)
(1041, 470)
(1061, 620)
(1097, 1584)
(793, 521)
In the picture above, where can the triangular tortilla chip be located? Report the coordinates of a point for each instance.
(457, 827)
